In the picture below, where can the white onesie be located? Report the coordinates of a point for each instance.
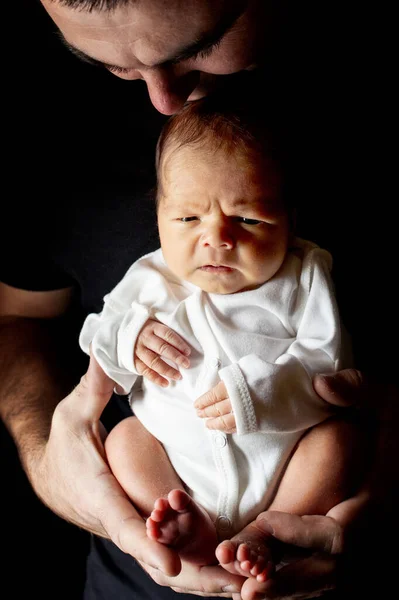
(265, 344)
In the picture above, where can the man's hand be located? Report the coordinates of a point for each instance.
(325, 546)
(72, 477)
(316, 546)
(215, 407)
(155, 342)
(309, 574)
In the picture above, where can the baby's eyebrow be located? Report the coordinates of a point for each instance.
(183, 208)
(239, 204)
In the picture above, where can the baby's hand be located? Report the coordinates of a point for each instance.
(215, 406)
(155, 341)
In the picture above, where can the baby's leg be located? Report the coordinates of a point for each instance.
(324, 470)
(144, 471)
(326, 467)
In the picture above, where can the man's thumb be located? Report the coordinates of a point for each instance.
(345, 388)
(95, 389)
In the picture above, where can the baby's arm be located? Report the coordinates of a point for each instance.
(124, 337)
(277, 395)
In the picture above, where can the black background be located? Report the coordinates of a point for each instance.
(71, 134)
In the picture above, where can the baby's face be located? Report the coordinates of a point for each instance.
(221, 221)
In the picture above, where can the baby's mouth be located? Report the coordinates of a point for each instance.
(216, 268)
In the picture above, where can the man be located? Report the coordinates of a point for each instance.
(98, 161)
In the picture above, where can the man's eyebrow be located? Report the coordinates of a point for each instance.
(202, 44)
(209, 39)
(79, 53)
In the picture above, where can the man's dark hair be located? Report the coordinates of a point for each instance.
(90, 5)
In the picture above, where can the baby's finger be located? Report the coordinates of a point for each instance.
(216, 394)
(170, 345)
(215, 410)
(164, 349)
(225, 423)
(154, 362)
(148, 373)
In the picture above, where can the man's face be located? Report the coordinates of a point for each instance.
(177, 48)
(221, 221)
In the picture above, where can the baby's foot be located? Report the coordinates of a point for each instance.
(248, 553)
(179, 522)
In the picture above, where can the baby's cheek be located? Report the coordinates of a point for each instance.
(184, 269)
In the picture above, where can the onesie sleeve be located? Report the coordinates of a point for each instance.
(279, 396)
(112, 334)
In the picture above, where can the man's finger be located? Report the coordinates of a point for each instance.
(201, 581)
(305, 578)
(318, 533)
(345, 388)
(132, 538)
(126, 528)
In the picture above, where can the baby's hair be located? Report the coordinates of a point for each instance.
(237, 123)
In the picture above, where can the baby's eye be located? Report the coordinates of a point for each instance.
(248, 221)
(187, 219)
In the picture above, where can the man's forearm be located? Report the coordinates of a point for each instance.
(32, 380)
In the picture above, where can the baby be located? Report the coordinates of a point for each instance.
(215, 337)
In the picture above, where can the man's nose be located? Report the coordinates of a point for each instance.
(169, 90)
(219, 236)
